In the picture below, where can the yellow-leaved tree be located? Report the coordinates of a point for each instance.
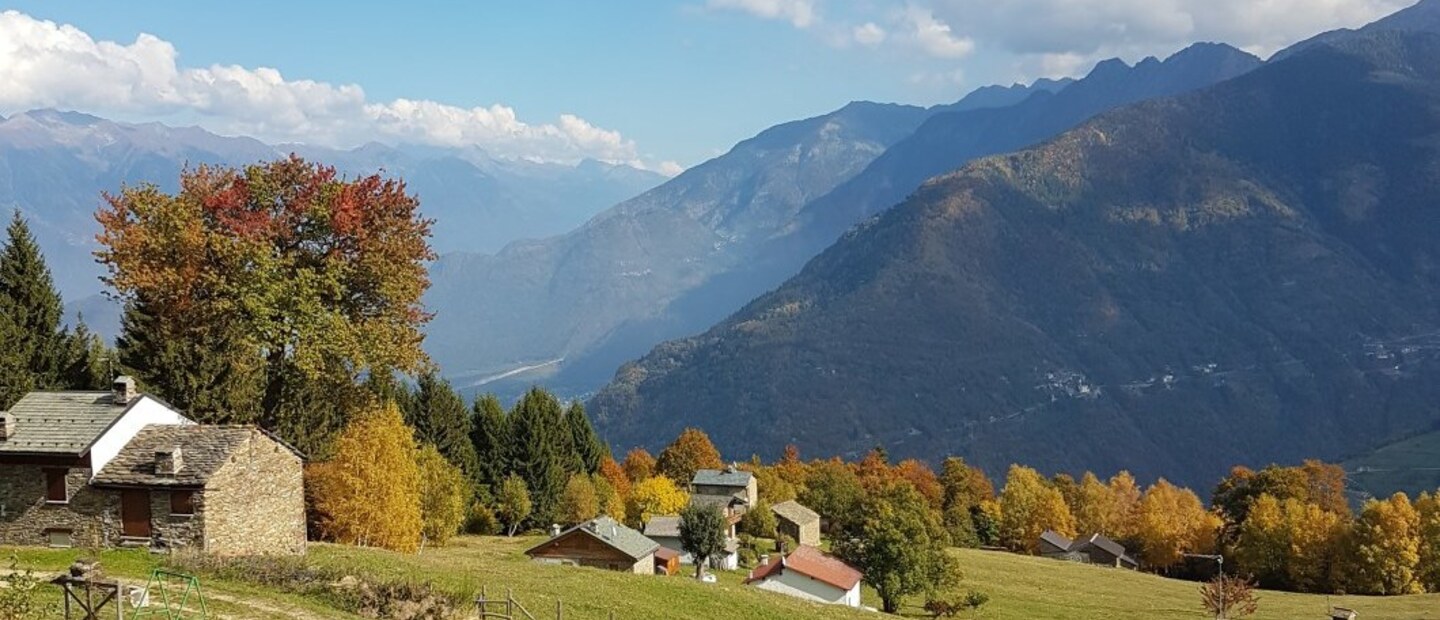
(1096, 508)
(368, 494)
(578, 502)
(1172, 522)
(654, 496)
(1386, 548)
(444, 493)
(1127, 505)
(1028, 507)
(1427, 508)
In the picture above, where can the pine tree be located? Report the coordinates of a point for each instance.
(490, 435)
(586, 445)
(539, 437)
(15, 378)
(29, 299)
(87, 360)
(207, 369)
(440, 418)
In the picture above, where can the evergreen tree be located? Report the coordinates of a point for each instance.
(539, 437)
(586, 445)
(205, 368)
(87, 360)
(29, 300)
(490, 434)
(15, 378)
(441, 419)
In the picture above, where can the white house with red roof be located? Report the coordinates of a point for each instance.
(810, 574)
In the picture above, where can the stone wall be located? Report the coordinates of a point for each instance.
(176, 532)
(92, 515)
(255, 503)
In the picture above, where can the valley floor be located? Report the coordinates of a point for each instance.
(1020, 588)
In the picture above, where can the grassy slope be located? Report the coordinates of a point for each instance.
(1020, 588)
(1410, 465)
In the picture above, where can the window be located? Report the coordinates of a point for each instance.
(182, 503)
(57, 490)
(59, 538)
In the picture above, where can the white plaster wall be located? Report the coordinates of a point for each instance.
(145, 412)
(794, 584)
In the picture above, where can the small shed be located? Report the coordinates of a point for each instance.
(798, 522)
(1054, 545)
(667, 562)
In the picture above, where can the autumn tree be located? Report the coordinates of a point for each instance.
(926, 483)
(1427, 510)
(609, 501)
(703, 532)
(963, 484)
(899, 545)
(1096, 507)
(369, 493)
(1262, 544)
(613, 473)
(1029, 507)
(440, 418)
(654, 496)
(512, 503)
(1172, 522)
(444, 496)
(638, 465)
(1127, 505)
(579, 502)
(791, 469)
(770, 485)
(1386, 548)
(1229, 597)
(833, 490)
(690, 452)
(314, 278)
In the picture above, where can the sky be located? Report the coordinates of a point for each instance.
(658, 84)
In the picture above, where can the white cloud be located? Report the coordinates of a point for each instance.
(869, 34)
(935, 36)
(1093, 28)
(44, 64)
(800, 13)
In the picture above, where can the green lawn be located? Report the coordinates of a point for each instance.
(1020, 588)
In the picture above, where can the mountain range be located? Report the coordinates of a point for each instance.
(677, 259)
(1241, 274)
(54, 165)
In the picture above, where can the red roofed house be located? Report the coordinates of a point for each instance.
(811, 574)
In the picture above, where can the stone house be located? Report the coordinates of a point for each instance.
(599, 543)
(810, 574)
(123, 468)
(665, 531)
(732, 488)
(798, 522)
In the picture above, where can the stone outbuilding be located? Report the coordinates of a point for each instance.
(121, 468)
(1096, 549)
(798, 522)
(599, 543)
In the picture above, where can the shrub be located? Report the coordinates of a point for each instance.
(759, 521)
(482, 521)
(1237, 594)
(443, 491)
(20, 596)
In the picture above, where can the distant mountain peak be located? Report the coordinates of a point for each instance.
(52, 116)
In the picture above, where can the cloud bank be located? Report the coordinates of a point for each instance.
(44, 64)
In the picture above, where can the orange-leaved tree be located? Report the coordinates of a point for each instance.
(690, 452)
(368, 494)
(638, 464)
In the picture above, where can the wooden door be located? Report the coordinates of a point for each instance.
(135, 513)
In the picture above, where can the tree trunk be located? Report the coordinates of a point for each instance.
(700, 568)
(889, 605)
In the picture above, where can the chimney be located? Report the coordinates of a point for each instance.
(554, 530)
(124, 390)
(7, 425)
(168, 462)
(765, 559)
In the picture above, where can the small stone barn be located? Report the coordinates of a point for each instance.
(798, 522)
(121, 468)
(599, 543)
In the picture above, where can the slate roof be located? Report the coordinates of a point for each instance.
(812, 563)
(794, 512)
(1054, 538)
(1109, 546)
(728, 477)
(724, 502)
(203, 450)
(664, 526)
(615, 534)
(62, 422)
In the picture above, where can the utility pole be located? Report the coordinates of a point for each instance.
(1219, 561)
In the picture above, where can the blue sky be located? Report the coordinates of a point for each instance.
(648, 82)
